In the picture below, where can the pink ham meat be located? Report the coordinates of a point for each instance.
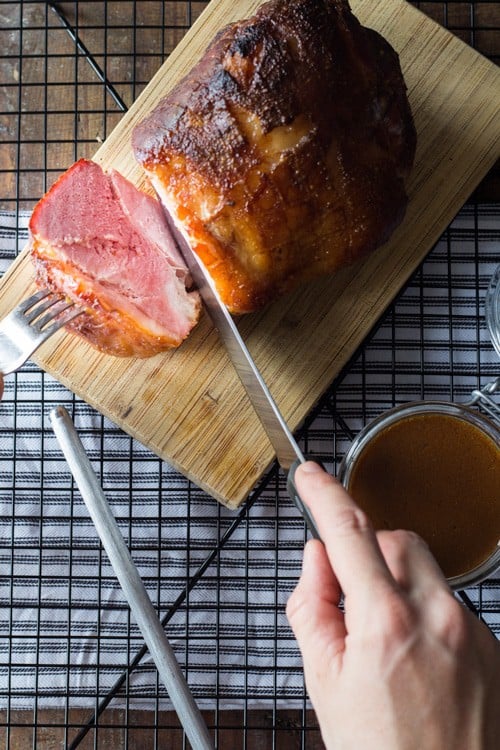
(106, 245)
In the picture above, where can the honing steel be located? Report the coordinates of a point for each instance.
(130, 581)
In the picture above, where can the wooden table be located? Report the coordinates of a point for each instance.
(26, 174)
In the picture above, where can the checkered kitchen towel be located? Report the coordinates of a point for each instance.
(65, 631)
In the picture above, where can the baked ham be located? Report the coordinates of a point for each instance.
(283, 154)
(106, 245)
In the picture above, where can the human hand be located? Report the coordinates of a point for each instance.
(405, 666)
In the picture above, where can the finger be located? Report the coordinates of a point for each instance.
(411, 562)
(349, 539)
(312, 610)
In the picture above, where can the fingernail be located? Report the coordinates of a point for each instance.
(310, 467)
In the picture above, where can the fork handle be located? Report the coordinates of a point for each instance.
(1, 386)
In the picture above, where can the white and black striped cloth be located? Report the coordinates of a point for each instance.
(65, 631)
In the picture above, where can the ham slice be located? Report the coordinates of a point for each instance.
(284, 152)
(106, 245)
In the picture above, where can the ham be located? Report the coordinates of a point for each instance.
(106, 245)
(283, 154)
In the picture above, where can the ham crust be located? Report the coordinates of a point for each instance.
(106, 245)
(284, 152)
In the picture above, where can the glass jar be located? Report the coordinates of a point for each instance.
(392, 467)
(404, 429)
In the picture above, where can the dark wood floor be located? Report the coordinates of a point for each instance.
(135, 730)
(141, 730)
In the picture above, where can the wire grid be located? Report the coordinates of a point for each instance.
(220, 580)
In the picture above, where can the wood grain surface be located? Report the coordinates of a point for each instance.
(188, 406)
(140, 730)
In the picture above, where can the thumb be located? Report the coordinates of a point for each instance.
(313, 612)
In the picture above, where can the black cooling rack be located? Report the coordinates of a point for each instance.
(72, 668)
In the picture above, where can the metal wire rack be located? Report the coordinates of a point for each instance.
(73, 672)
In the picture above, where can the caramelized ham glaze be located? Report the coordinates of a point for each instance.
(284, 152)
(106, 245)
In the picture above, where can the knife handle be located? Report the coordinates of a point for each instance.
(299, 503)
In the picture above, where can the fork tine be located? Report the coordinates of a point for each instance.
(63, 318)
(31, 323)
(47, 303)
(28, 303)
(55, 308)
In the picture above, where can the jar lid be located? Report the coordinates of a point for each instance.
(492, 309)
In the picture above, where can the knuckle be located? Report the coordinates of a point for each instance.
(398, 541)
(350, 521)
(407, 537)
(411, 538)
(399, 546)
(450, 622)
(396, 619)
(297, 605)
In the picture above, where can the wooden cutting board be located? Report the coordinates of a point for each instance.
(188, 406)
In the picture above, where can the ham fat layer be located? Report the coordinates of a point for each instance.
(106, 245)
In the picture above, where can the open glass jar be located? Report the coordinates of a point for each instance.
(434, 467)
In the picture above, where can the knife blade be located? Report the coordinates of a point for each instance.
(287, 450)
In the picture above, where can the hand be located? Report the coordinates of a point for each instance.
(407, 667)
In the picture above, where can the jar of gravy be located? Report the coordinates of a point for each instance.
(433, 467)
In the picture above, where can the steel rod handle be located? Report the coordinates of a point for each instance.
(132, 585)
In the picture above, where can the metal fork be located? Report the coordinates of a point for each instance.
(31, 323)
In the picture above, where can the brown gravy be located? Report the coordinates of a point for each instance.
(437, 475)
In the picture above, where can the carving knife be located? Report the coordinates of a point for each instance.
(287, 451)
